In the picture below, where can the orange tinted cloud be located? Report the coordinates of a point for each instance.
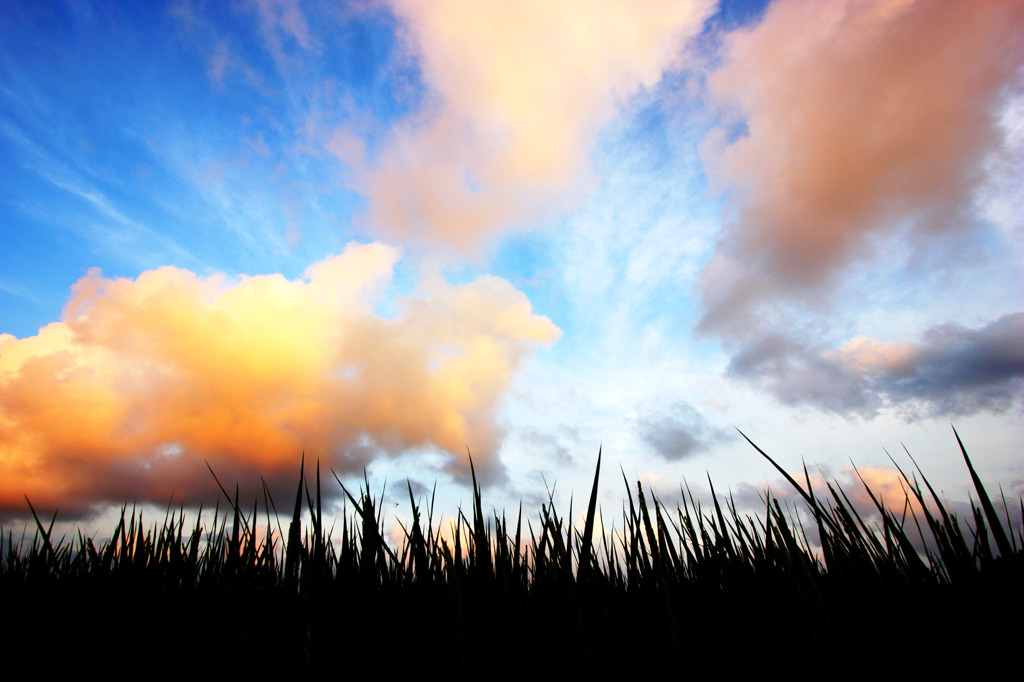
(886, 484)
(862, 117)
(144, 379)
(518, 92)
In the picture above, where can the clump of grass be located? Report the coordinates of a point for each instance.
(689, 587)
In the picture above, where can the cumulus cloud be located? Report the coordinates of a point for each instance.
(144, 379)
(677, 432)
(859, 119)
(952, 370)
(518, 91)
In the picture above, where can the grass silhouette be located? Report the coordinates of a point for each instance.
(676, 591)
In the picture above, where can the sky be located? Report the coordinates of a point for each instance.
(387, 234)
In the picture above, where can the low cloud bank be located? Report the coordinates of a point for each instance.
(144, 379)
(890, 490)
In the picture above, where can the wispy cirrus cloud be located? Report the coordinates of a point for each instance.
(146, 378)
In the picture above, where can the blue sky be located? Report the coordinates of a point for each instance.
(385, 232)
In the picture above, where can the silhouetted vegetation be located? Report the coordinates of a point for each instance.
(675, 590)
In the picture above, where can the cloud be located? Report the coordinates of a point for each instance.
(952, 370)
(283, 26)
(889, 488)
(222, 61)
(677, 432)
(885, 483)
(859, 119)
(517, 93)
(144, 379)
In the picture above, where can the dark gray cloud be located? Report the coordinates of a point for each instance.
(796, 373)
(962, 370)
(952, 370)
(677, 432)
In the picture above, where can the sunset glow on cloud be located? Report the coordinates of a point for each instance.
(862, 119)
(147, 378)
(388, 233)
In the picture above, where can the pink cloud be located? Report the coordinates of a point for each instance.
(518, 91)
(862, 118)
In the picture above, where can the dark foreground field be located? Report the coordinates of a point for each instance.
(681, 591)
